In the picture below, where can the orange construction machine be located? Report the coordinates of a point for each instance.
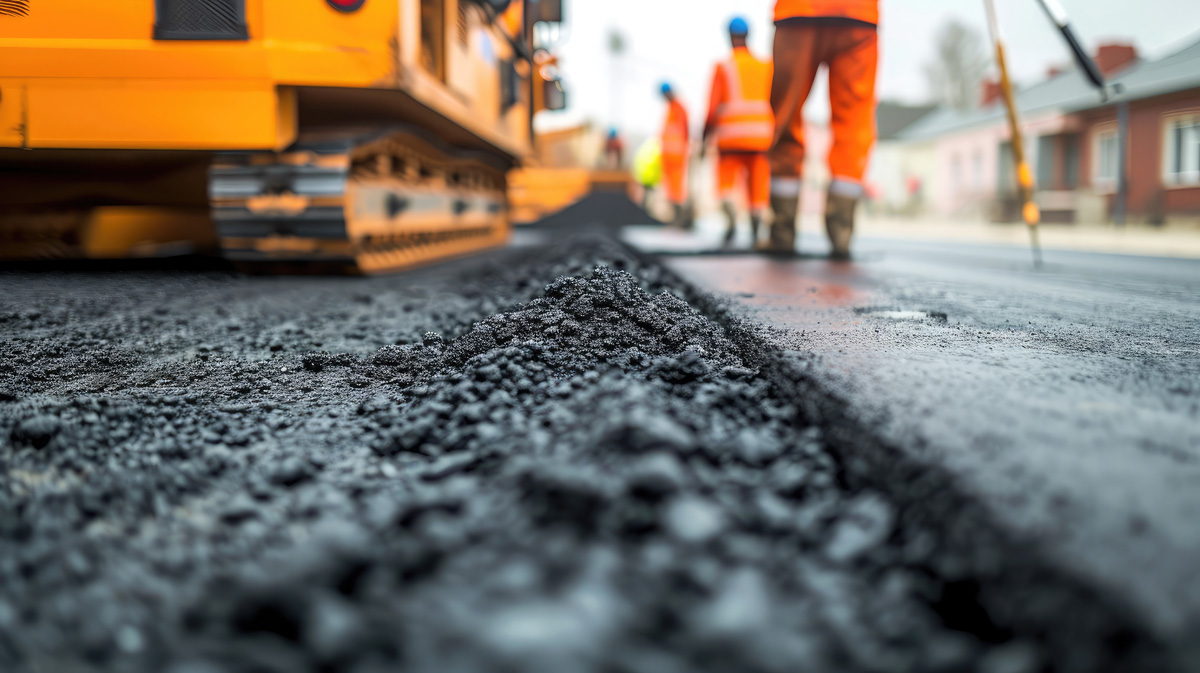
(368, 134)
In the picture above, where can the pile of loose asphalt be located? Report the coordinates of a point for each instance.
(557, 459)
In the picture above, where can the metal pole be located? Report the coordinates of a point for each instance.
(1029, 209)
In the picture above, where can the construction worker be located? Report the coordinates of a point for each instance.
(675, 152)
(614, 150)
(740, 118)
(842, 35)
(647, 168)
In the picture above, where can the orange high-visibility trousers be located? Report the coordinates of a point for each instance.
(851, 51)
(674, 179)
(866, 11)
(757, 172)
(675, 153)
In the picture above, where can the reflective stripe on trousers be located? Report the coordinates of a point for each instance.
(785, 187)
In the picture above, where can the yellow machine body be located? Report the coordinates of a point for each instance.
(536, 192)
(106, 107)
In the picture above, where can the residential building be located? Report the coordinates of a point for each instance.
(894, 177)
(1070, 135)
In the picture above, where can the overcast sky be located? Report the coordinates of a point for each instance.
(679, 40)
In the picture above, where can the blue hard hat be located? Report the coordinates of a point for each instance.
(738, 26)
(665, 88)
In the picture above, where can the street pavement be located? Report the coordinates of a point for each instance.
(1178, 240)
(1067, 397)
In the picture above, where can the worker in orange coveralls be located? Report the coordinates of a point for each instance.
(740, 118)
(675, 152)
(842, 35)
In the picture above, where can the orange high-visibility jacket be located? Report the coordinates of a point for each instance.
(859, 10)
(675, 132)
(739, 105)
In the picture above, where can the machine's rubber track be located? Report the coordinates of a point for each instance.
(372, 205)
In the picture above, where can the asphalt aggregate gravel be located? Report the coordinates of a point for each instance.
(553, 459)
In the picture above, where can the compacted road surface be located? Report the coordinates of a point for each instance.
(1067, 398)
(551, 458)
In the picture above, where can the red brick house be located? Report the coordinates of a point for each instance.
(1071, 137)
(1163, 147)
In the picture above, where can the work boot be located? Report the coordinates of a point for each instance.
(676, 216)
(730, 224)
(782, 237)
(839, 224)
(755, 225)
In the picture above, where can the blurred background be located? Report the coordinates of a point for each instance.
(941, 167)
(569, 452)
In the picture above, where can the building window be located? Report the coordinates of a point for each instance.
(1071, 161)
(1044, 162)
(1105, 166)
(1006, 183)
(1182, 156)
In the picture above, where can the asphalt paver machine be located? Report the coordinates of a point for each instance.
(368, 134)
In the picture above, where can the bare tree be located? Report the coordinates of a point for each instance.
(955, 73)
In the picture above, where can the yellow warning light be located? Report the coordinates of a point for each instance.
(1025, 175)
(1031, 213)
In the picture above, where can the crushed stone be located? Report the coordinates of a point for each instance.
(544, 464)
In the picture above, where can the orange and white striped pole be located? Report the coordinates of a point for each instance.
(1029, 209)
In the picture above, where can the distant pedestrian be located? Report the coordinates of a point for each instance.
(915, 195)
(741, 121)
(842, 35)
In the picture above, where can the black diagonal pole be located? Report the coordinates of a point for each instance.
(1059, 16)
